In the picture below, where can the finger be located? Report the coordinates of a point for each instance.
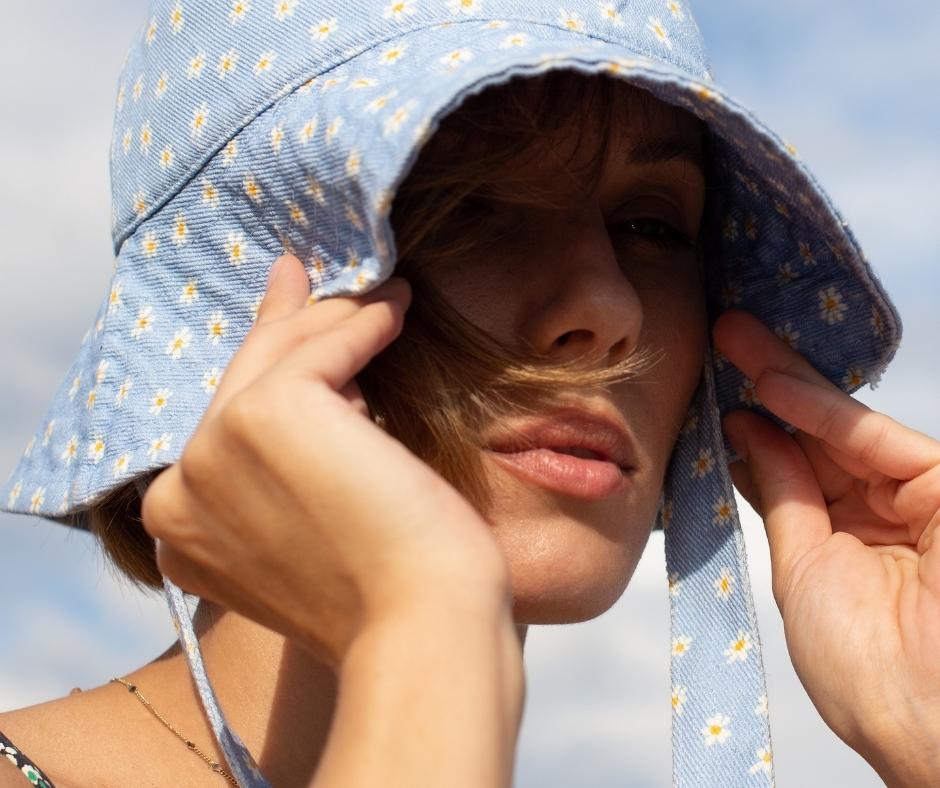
(754, 348)
(337, 354)
(834, 479)
(288, 290)
(260, 353)
(745, 485)
(794, 511)
(875, 440)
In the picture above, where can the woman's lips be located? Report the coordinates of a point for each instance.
(564, 473)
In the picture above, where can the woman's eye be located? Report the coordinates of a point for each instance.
(655, 231)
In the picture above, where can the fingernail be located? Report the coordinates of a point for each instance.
(272, 274)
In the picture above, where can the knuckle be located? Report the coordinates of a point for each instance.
(829, 421)
(157, 504)
(872, 447)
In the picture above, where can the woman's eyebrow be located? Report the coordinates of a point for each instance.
(660, 149)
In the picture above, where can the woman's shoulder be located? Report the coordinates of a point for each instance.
(17, 766)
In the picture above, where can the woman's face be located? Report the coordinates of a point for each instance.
(584, 281)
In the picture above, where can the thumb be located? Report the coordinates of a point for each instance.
(288, 290)
(796, 518)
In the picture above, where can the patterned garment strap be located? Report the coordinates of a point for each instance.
(30, 770)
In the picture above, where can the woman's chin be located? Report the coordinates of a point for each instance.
(566, 572)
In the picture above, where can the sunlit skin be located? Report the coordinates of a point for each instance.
(579, 282)
(850, 506)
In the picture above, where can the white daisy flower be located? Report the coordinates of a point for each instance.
(138, 89)
(681, 645)
(315, 190)
(91, 398)
(308, 130)
(656, 27)
(252, 188)
(210, 194)
(399, 8)
(180, 229)
(761, 707)
(197, 65)
(144, 322)
(724, 584)
(675, 8)
(235, 248)
(229, 152)
(159, 445)
(610, 14)
(265, 62)
(465, 6)
(296, 213)
(394, 122)
(146, 138)
(121, 464)
(392, 54)
(96, 449)
(76, 382)
(15, 491)
(127, 140)
(238, 11)
(738, 648)
(166, 158)
(457, 58)
(179, 343)
(176, 18)
(227, 62)
(210, 380)
(703, 464)
(150, 244)
(216, 325)
(747, 393)
(277, 137)
(765, 762)
(114, 298)
(571, 20)
(284, 9)
(679, 696)
(353, 163)
(788, 334)
(139, 203)
(159, 400)
(380, 103)
(163, 82)
(151, 31)
(854, 378)
(723, 511)
(333, 129)
(832, 308)
(198, 124)
(70, 450)
(716, 729)
(514, 40)
(123, 391)
(786, 274)
(37, 499)
(323, 29)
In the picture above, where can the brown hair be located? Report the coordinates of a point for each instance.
(443, 379)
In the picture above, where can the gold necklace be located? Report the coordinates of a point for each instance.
(213, 765)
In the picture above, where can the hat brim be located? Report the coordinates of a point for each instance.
(316, 173)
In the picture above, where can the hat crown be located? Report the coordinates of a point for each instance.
(195, 76)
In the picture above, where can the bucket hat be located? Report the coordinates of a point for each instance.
(247, 128)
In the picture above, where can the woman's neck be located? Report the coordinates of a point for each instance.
(275, 695)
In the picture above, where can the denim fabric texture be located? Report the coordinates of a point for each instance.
(247, 128)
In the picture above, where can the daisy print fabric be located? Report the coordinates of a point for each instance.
(244, 129)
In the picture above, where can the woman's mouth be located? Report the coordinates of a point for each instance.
(572, 471)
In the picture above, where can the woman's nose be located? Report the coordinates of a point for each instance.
(585, 305)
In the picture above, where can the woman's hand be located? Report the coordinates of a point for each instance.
(851, 505)
(290, 506)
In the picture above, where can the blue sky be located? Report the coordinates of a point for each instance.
(852, 85)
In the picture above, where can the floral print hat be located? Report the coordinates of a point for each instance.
(246, 128)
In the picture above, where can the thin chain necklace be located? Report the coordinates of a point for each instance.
(213, 765)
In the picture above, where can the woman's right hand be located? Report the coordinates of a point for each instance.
(290, 506)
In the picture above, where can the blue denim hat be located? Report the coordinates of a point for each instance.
(247, 128)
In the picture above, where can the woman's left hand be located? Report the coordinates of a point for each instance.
(851, 505)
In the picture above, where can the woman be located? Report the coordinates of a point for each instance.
(401, 573)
